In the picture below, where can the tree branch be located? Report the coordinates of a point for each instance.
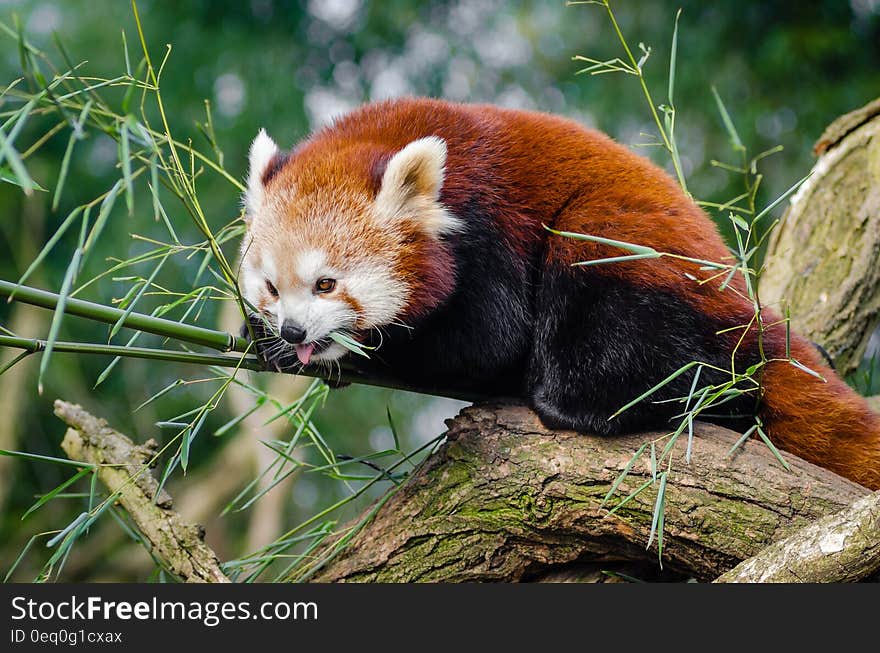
(843, 547)
(123, 467)
(507, 500)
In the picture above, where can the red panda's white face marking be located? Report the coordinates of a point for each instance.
(328, 255)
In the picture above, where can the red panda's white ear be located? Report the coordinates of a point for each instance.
(411, 185)
(263, 150)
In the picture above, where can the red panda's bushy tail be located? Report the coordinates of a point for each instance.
(824, 422)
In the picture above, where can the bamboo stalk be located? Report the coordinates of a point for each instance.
(35, 345)
(196, 335)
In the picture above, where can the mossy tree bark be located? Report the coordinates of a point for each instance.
(507, 500)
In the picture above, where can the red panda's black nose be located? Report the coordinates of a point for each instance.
(292, 332)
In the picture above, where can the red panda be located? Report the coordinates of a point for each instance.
(418, 225)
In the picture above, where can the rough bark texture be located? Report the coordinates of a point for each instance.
(123, 469)
(822, 259)
(843, 547)
(507, 500)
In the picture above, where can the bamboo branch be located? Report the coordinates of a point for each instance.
(123, 467)
(34, 345)
(840, 548)
(196, 335)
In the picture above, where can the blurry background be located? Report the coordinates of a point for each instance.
(784, 70)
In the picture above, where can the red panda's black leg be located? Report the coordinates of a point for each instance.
(601, 341)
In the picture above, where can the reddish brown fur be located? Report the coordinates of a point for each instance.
(593, 186)
(824, 422)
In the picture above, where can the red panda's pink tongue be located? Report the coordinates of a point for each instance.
(304, 352)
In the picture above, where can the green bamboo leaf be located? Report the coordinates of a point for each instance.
(632, 495)
(739, 221)
(645, 395)
(128, 309)
(728, 279)
(188, 438)
(735, 140)
(56, 491)
(661, 523)
(22, 177)
(93, 491)
(8, 177)
(229, 507)
(630, 247)
(62, 175)
(781, 198)
(659, 506)
(614, 259)
(690, 442)
(350, 343)
(287, 411)
(263, 491)
(773, 448)
(82, 517)
(75, 135)
(806, 369)
(13, 362)
(238, 419)
(623, 474)
(672, 57)
(69, 277)
(132, 87)
(20, 118)
(745, 436)
(44, 459)
(168, 388)
(393, 428)
(103, 214)
(125, 52)
(27, 547)
(671, 441)
(128, 530)
(112, 365)
(170, 466)
(125, 160)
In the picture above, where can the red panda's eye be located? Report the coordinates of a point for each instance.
(325, 285)
(271, 288)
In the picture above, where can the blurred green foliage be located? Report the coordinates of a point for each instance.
(784, 70)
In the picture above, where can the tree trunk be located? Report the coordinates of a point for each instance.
(823, 256)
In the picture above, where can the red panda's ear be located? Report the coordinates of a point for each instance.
(263, 150)
(411, 185)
